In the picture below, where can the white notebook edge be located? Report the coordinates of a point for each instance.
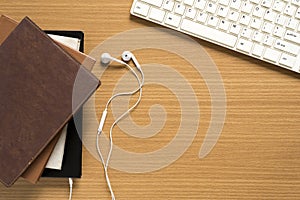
(56, 157)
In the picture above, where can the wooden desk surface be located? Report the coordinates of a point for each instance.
(256, 157)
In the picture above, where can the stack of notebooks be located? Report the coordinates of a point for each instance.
(39, 136)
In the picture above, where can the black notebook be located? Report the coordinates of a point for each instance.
(72, 160)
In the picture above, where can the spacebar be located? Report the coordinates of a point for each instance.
(209, 33)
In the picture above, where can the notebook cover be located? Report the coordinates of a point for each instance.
(7, 25)
(72, 162)
(36, 88)
(35, 170)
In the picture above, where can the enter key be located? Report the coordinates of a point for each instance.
(287, 47)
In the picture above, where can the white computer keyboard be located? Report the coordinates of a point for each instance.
(268, 30)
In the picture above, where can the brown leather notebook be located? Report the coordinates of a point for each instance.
(34, 171)
(7, 25)
(36, 87)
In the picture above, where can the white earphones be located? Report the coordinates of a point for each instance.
(106, 59)
(127, 56)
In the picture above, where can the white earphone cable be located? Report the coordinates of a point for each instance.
(105, 164)
(71, 188)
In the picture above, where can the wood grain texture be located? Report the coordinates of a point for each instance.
(257, 156)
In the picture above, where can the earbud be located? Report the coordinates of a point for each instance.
(127, 56)
(106, 59)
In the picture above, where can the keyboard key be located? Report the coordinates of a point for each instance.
(270, 15)
(296, 2)
(247, 7)
(278, 5)
(211, 8)
(255, 1)
(200, 4)
(141, 9)
(278, 31)
(233, 16)
(292, 36)
(272, 55)
(157, 14)
(209, 33)
(189, 2)
(258, 11)
(245, 20)
(268, 40)
(290, 10)
(244, 45)
(172, 20)
(267, 27)
(212, 21)
(191, 13)
(257, 36)
(168, 5)
(157, 3)
(224, 2)
(202, 17)
(256, 23)
(258, 50)
(287, 60)
(267, 3)
(235, 4)
(297, 15)
(235, 29)
(292, 23)
(223, 11)
(280, 19)
(179, 8)
(287, 47)
(224, 25)
(246, 33)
